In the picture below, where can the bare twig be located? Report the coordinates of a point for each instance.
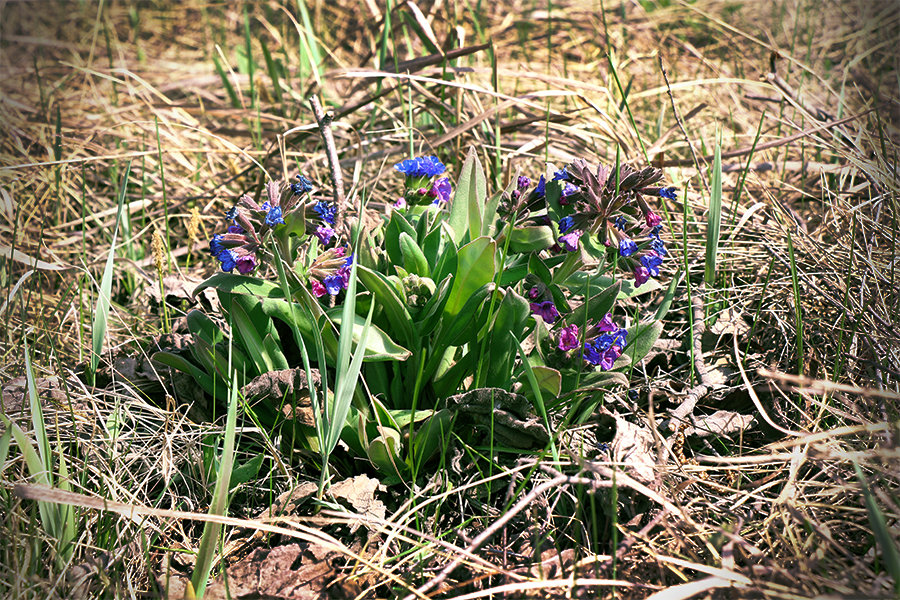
(334, 165)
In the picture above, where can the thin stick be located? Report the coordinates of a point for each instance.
(334, 165)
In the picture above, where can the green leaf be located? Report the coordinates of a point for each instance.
(463, 327)
(413, 258)
(476, 267)
(384, 452)
(249, 337)
(240, 284)
(396, 225)
(714, 219)
(530, 238)
(578, 284)
(641, 338)
(596, 308)
(394, 308)
(246, 472)
(489, 223)
(467, 206)
(539, 269)
(379, 345)
(202, 327)
(890, 553)
(101, 312)
(274, 354)
(429, 437)
(201, 377)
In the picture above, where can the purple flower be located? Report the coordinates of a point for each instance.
(568, 338)
(546, 310)
(627, 247)
(561, 175)
(533, 293)
(591, 353)
(344, 272)
(570, 240)
(522, 183)
(606, 324)
(652, 219)
(566, 223)
(246, 263)
(641, 275)
(619, 223)
(318, 289)
(326, 211)
(333, 284)
(421, 166)
(324, 233)
(568, 189)
(303, 186)
(400, 203)
(441, 190)
(608, 357)
(235, 229)
(651, 261)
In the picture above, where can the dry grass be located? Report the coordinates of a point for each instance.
(779, 512)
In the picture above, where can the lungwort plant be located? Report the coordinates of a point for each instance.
(457, 289)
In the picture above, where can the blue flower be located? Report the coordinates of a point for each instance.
(659, 246)
(540, 191)
(568, 189)
(228, 260)
(231, 213)
(655, 231)
(215, 245)
(668, 192)
(651, 262)
(561, 175)
(421, 166)
(273, 217)
(326, 211)
(566, 223)
(592, 354)
(619, 223)
(333, 284)
(619, 337)
(303, 186)
(627, 247)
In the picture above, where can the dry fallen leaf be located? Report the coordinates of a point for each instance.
(633, 446)
(721, 422)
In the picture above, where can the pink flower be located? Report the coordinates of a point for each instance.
(568, 338)
(652, 219)
(318, 289)
(641, 275)
(606, 324)
(609, 356)
(570, 240)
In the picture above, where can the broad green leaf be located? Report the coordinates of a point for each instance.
(241, 284)
(641, 338)
(202, 327)
(477, 266)
(274, 353)
(463, 327)
(538, 268)
(384, 452)
(246, 472)
(396, 225)
(578, 284)
(429, 437)
(489, 221)
(388, 299)
(413, 258)
(249, 337)
(467, 206)
(177, 362)
(596, 308)
(379, 345)
(530, 238)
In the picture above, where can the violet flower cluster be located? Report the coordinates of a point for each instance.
(613, 206)
(243, 244)
(330, 272)
(603, 342)
(420, 189)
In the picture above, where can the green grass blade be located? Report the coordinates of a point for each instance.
(226, 83)
(272, 68)
(309, 45)
(890, 554)
(538, 398)
(101, 313)
(210, 538)
(798, 304)
(714, 219)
